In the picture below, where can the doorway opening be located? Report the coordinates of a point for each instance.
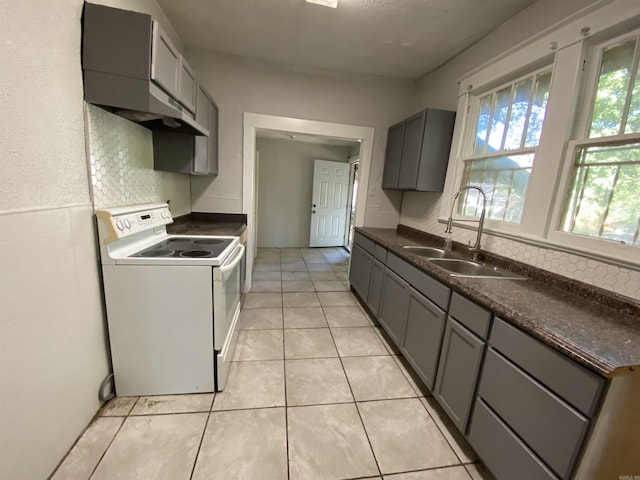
(256, 122)
(354, 164)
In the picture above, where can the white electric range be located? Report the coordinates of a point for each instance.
(172, 302)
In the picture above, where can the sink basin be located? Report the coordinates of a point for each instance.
(466, 268)
(429, 252)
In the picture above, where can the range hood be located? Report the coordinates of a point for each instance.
(116, 65)
(141, 102)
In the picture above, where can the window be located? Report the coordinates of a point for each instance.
(604, 199)
(557, 147)
(501, 143)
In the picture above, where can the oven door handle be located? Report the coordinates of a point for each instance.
(234, 260)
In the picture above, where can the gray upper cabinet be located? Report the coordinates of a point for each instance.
(213, 139)
(188, 87)
(205, 160)
(393, 156)
(195, 155)
(418, 152)
(165, 62)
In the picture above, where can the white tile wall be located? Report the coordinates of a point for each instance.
(421, 211)
(121, 166)
(52, 342)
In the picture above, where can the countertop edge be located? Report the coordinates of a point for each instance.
(594, 363)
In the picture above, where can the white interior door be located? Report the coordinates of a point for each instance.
(329, 203)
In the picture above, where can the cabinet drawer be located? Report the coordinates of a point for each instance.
(380, 253)
(425, 284)
(550, 427)
(578, 386)
(501, 450)
(472, 316)
(365, 242)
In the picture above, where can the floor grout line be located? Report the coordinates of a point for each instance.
(336, 268)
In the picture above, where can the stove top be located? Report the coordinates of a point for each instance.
(137, 235)
(186, 247)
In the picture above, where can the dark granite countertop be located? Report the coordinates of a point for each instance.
(600, 330)
(227, 224)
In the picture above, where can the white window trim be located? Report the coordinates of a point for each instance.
(566, 45)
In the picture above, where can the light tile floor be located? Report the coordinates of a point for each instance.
(315, 391)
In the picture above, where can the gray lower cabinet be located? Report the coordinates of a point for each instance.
(423, 336)
(536, 400)
(360, 271)
(551, 428)
(375, 287)
(458, 369)
(394, 305)
(506, 456)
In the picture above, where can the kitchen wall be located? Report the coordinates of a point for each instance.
(52, 342)
(121, 166)
(285, 185)
(53, 352)
(239, 86)
(440, 90)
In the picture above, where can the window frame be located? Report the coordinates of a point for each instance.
(626, 253)
(466, 148)
(568, 47)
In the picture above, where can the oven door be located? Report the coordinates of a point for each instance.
(226, 310)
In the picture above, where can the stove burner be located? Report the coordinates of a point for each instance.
(156, 253)
(209, 241)
(175, 240)
(195, 253)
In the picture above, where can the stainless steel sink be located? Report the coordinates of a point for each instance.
(429, 252)
(464, 268)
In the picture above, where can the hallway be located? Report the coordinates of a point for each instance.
(315, 391)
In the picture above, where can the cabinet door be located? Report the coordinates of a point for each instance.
(394, 305)
(165, 61)
(436, 145)
(205, 161)
(201, 150)
(213, 139)
(411, 151)
(423, 336)
(375, 287)
(360, 271)
(393, 156)
(458, 369)
(188, 88)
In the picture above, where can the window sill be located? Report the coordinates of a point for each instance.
(548, 244)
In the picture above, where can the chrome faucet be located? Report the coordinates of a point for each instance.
(476, 248)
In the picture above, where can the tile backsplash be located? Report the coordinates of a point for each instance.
(423, 215)
(121, 166)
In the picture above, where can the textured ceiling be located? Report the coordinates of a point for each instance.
(391, 38)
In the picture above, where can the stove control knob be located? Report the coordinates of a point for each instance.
(127, 223)
(120, 225)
